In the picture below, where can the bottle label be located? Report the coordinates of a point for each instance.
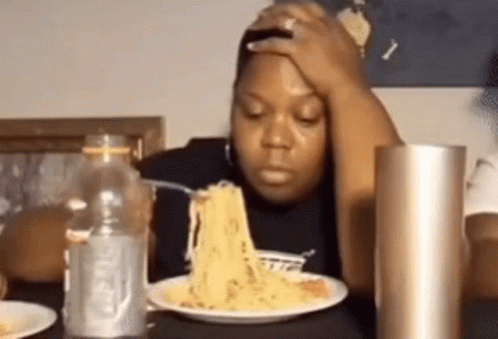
(106, 294)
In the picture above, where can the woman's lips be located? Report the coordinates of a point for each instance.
(275, 176)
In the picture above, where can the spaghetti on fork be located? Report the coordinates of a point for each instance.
(226, 273)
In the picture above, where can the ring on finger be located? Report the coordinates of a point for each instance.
(289, 23)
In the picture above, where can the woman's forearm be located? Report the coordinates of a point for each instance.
(359, 123)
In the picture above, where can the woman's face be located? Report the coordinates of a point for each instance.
(278, 130)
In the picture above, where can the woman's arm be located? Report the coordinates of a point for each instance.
(359, 124)
(482, 226)
(481, 276)
(330, 62)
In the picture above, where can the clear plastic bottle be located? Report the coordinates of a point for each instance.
(105, 278)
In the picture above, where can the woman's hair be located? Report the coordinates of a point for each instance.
(244, 55)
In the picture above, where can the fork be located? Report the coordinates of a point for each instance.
(170, 185)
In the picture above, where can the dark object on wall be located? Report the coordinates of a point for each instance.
(439, 42)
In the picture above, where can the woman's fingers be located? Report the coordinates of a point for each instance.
(293, 10)
(317, 9)
(271, 22)
(283, 46)
(319, 45)
(280, 16)
(305, 11)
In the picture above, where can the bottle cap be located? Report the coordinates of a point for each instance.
(105, 143)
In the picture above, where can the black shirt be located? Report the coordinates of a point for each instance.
(306, 226)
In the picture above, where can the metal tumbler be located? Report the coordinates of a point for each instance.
(419, 239)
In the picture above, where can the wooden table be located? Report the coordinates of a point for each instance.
(354, 318)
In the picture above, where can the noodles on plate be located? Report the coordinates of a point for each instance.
(226, 273)
(5, 328)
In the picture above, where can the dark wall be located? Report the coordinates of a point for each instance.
(441, 42)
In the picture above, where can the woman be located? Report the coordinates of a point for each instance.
(301, 107)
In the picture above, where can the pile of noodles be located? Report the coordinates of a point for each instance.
(226, 273)
(5, 328)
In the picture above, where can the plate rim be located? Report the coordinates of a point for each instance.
(49, 314)
(342, 292)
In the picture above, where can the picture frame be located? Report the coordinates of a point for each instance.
(39, 156)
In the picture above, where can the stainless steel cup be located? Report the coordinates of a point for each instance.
(419, 237)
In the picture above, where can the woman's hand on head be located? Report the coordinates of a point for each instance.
(321, 48)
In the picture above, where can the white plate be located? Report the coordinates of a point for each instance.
(25, 318)
(156, 296)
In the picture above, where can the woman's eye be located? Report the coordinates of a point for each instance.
(308, 120)
(253, 111)
(251, 105)
(308, 116)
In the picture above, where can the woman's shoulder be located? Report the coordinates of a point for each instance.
(200, 162)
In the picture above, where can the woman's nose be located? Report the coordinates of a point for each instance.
(278, 133)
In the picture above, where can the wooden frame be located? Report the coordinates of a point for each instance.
(67, 135)
(37, 156)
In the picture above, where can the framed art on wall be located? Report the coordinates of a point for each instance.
(38, 156)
